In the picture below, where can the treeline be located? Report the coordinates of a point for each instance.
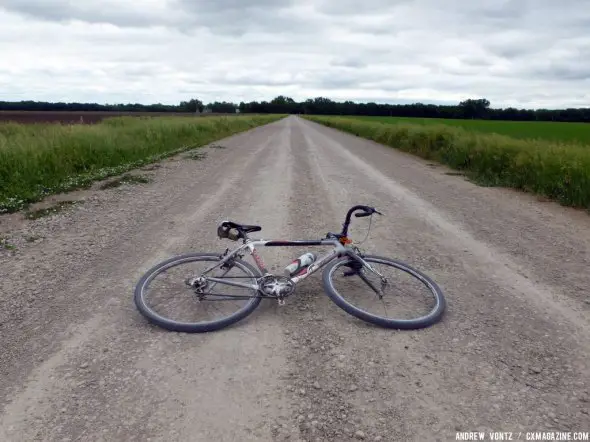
(468, 109)
(185, 106)
(40, 106)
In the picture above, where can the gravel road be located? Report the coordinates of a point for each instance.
(79, 363)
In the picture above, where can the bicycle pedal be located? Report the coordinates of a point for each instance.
(281, 302)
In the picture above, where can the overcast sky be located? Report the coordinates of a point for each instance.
(523, 53)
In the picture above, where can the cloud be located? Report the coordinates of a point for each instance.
(353, 7)
(140, 13)
(351, 62)
(513, 52)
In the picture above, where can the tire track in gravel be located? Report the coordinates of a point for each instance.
(333, 369)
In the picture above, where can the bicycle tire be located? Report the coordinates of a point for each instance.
(403, 324)
(188, 327)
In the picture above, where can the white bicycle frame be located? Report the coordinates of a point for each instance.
(250, 244)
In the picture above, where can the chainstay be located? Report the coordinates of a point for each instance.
(235, 297)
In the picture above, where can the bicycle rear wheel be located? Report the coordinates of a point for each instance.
(410, 300)
(219, 305)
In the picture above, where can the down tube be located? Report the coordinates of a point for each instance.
(316, 266)
(260, 262)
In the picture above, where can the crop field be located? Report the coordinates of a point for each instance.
(41, 159)
(556, 169)
(544, 130)
(82, 117)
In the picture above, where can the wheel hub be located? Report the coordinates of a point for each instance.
(199, 283)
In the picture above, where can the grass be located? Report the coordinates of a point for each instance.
(151, 167)
(57, 208)
(126, 179)
(528, 130)
(41, 159)
(556, 170)
(5, 244)
(197, 156)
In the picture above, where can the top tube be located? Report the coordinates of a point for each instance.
(294, 243)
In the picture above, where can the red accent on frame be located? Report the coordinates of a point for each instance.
(258, 259)
(302, 272)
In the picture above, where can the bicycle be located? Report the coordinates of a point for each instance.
(261, 284)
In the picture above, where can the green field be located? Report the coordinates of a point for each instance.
(557, 170)
(543, 130)
(41, 159)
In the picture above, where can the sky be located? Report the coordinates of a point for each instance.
(521, 53)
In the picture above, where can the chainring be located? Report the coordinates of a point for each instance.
(276, 286)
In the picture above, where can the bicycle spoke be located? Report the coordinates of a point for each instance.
(384, 308)
(370, 284)
(406, 299)
(168, 294)
(214, 284)
(229, 296)
(165, 300)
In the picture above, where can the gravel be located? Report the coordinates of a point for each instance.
(75, 341)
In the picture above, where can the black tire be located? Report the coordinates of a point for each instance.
(188, 327)
(408, 324)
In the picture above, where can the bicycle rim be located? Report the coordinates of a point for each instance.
(165, 299)
(410, 299)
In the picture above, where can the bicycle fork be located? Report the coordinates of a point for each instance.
(356, 269)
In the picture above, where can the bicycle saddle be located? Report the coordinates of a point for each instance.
(243, 227)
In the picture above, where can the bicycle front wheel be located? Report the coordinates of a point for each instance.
(408, 300)
(167, 298)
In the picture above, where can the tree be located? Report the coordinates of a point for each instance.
(283, 105)
(193, 106)
(475, 108)
(471, 108)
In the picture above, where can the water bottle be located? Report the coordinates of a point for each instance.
(299, 264)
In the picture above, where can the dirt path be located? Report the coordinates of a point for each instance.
(79, 363)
